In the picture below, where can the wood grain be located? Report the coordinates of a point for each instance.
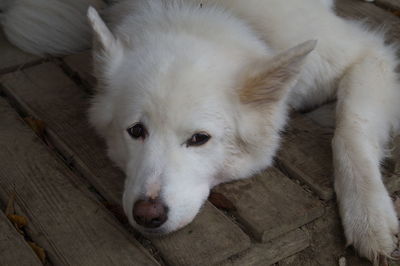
(69, 225)
(306, 154)
(270, 204)
(46, 93)
(273, 251)
(210, 229)
(13, 248)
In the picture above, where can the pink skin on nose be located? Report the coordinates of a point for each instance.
(153, 190)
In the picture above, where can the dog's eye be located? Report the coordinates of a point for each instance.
(198, 139)
(137, 131)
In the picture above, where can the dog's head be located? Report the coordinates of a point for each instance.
(181, 113)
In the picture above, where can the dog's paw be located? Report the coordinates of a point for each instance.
(372, 228)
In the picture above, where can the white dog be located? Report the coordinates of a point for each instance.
(195, 93)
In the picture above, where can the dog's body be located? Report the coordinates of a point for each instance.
(195, 93)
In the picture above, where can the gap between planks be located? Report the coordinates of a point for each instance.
(13, 247)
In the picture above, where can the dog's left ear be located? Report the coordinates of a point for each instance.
(103, 39)
(270, 80)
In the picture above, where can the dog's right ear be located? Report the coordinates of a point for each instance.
(269, 80)
(103, 38)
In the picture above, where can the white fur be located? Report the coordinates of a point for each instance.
(179, 67)
(47, 26)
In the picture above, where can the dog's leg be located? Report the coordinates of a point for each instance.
(368, 99)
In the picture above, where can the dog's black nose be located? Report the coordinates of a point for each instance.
(150, 213)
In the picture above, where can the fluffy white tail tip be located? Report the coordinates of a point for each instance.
(54, 27)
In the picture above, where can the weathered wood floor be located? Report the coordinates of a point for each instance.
(59, 178)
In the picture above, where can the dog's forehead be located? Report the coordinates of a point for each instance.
(185, 89)
(186, 111)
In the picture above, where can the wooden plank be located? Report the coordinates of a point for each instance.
(327, 244)
(81, 65)
(306, 154)
(45, 92)
(270, 204)
(12, 58)
(210, 228)
(13, 248)
(273, 251)
(69, 225)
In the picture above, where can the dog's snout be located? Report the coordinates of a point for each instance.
(150, 213)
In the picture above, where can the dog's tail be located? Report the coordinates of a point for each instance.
(47, 26)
